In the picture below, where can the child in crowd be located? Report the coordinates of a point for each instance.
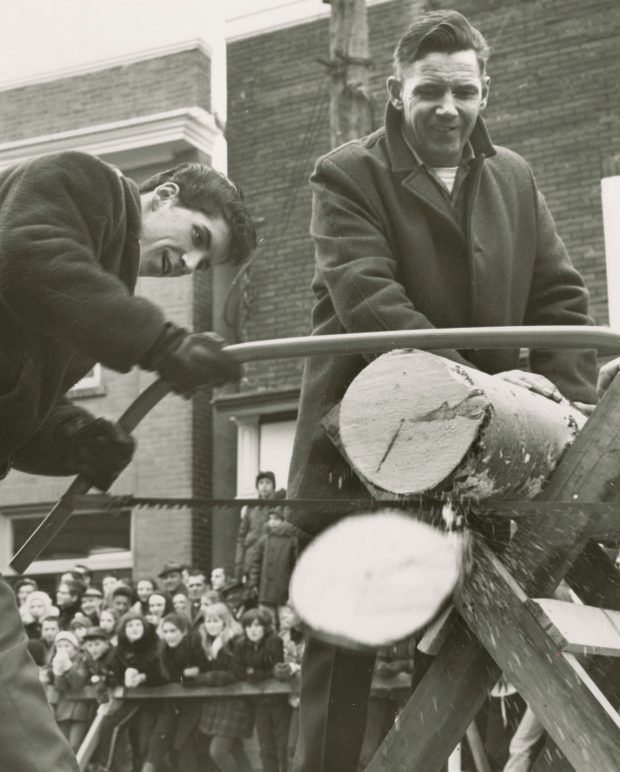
(69, 675)
(36, 607)
(181, 604)
(92, 603)
(159, 605)
(108, 619)
(144, 587)
(273, 559)
(99, 662)
(293, 643)
(181, 656)
(79, 626)
(225, 720)
(50, 627)
(135, 663)
(254, 658)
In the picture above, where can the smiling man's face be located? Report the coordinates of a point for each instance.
(177, 241)
(440, 97)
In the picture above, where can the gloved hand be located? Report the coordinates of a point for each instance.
(188, 361)
(99, 450)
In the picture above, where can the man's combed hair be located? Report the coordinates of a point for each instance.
(439, 32)
(206, 190)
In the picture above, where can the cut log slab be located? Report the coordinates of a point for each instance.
(413, 422)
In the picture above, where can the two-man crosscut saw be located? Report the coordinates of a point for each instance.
(552, 336)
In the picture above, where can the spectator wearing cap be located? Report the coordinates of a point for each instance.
(22, 588)
(79, 626)
(99, 658)
(122, 599)
(85, 573)
(252, 524)
(69, 676)
(92, 603)
(171, 578)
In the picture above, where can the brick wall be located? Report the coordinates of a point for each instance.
(554, 98)
(113, 94)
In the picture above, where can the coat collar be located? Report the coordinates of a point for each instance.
(415, 179)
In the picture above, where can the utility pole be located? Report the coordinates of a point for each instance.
(349, 65)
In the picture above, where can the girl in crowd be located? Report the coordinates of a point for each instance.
(181, 657)
(158, 605)
(135, 663)
(36, 607)
(69, 675)
(108, 619)
(225, 720)
(144, 587)
(255, 656)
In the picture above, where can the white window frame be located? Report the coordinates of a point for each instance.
(610, 198)
(104, 561)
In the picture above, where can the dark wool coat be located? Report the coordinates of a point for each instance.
(70, 685)
(254, 661)
(69, 256)
(273, 561)
(143, 655)
(391, 255)
(224, 716)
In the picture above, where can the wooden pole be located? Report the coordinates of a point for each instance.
(349, 64)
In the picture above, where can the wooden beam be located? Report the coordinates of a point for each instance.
(566, 700)
(578, 629)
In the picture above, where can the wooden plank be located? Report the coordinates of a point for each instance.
(571, 707)
(541, 553)
(578, 629)
(442, 706)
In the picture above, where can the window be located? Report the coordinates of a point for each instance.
(98, 539)
(610, 193)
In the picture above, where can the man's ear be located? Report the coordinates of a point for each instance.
(166, 192)
(394, 87)
(486, 85)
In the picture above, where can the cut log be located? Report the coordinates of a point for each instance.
(413, 422)
(374, 579)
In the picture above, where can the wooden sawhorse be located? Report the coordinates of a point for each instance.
(497, 628)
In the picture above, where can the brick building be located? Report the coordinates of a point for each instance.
(554, 98)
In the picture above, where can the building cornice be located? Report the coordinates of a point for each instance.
(71, 71)
(130, 143)
(257, 402)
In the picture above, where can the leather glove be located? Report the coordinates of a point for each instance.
(99, 450)
(188, 361)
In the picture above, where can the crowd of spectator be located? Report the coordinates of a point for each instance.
(180, 628)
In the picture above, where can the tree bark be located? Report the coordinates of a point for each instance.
(413, 422)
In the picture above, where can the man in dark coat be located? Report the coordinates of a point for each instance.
(74, 235)
(424, 223)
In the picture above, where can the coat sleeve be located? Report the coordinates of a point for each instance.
(355, 264)
(65, 240)
(40, 455)
(558, 296)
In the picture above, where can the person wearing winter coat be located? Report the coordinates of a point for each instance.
(252, 524)
(274, 558)
(255, 656)
(135, 663)
(424, 223)
(99, 662)
(225, 721)
(181, 656)
(69, 676)
(74, 235)
(36, 607)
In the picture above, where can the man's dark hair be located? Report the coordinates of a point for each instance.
(443, 32)
(206, 190)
